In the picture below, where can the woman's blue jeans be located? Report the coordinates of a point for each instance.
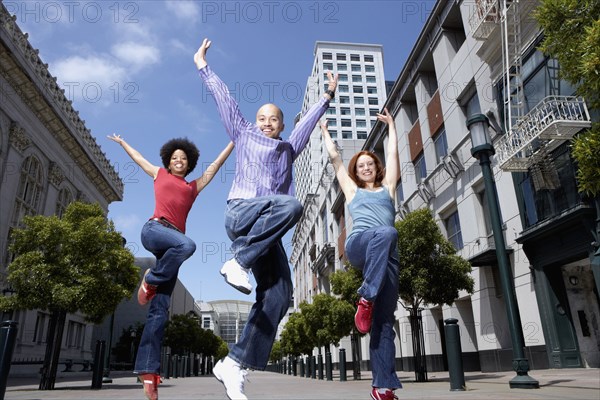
(375, 252)
(256, 227)
(171, 248)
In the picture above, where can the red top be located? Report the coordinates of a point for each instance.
(174, 198)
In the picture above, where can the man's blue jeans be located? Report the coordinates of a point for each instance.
(171, 248)
(375, 252)
(256, 227)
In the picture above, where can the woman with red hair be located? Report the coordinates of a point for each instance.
(370, 191)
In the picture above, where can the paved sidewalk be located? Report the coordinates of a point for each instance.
(559, 384)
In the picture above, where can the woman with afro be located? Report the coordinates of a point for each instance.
(164, 236)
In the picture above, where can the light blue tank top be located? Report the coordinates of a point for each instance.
(369, 209)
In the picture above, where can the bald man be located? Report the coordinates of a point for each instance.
(261, 209)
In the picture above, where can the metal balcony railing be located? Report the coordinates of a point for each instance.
(484, 19)
(551, 122)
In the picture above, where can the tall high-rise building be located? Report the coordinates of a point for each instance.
(360, 94)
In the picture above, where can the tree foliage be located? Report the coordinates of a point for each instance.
(294, 338)
(430, 270)
(345, 283)
(327, 319)
(74, 263)
(183, 334)
(572, 36)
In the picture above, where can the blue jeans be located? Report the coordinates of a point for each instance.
(171, 248)
(256, 227)
(375, 252)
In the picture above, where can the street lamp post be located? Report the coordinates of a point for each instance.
(482, 149)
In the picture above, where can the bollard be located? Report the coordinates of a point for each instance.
(320, 364)
(343, 365)
(8, 337)
(328, 366)
(294, 365)
(313, 369)
(168, 366)
(301, 367)
(454, 352)
(98, 369)
(308, 366)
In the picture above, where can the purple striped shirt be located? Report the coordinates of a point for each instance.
(263, 165)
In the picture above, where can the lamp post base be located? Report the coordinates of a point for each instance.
(524, 382)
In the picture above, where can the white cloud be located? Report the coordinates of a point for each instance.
(127, 223)
(136, 55)
(97, 69)
(185, 10)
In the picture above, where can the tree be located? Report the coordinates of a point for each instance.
(430, 273)
(327, 319)
(276, 352)
(572, 35)
(345, 283)
(125, 348)
(294, 337)
(76, 263)
(183, 334)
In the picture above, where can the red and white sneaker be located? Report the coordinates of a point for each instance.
(150, 382)
(387, 395)
(364, 315)
(146, 292)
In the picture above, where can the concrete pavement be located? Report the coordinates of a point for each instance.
(559, 384)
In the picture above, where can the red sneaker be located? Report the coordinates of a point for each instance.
(150, 382)
(146, 292)
(363, 316)
(388, 395)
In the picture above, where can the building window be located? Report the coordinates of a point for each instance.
(369, 68)
(206, 322)
(356, 78)
(357, 89)
(327, 56)
(453, 229)
(324, 224)
(373, 112)
(373, 101)
(328, 66)
(342, 67)
(30, 190)
(344, 100)
(330, 111)
(359, 100)
(371, 90)
(354, 57)
(340, 57)
(346, 134)
(343, 78)
(361, 123)
(345, 111)
(355, 67)
(346, 123)
(343, 88)
(368, 58)
(332, 122)
(333, 134)
(361, 135)
(359, 112)
(75, 334)
(399, 192)
(64, 199)
(441, 144)
(420, 168)
(487, 221)
(371, 79)
(39, 332)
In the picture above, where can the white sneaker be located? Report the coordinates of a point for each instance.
(236, 276)
(231, 374)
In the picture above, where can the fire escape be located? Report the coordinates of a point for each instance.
(530, 136)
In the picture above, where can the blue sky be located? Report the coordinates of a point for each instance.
(128, 67)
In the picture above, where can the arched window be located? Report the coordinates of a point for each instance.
(28, 197)
(64, 199)
(30, 190)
